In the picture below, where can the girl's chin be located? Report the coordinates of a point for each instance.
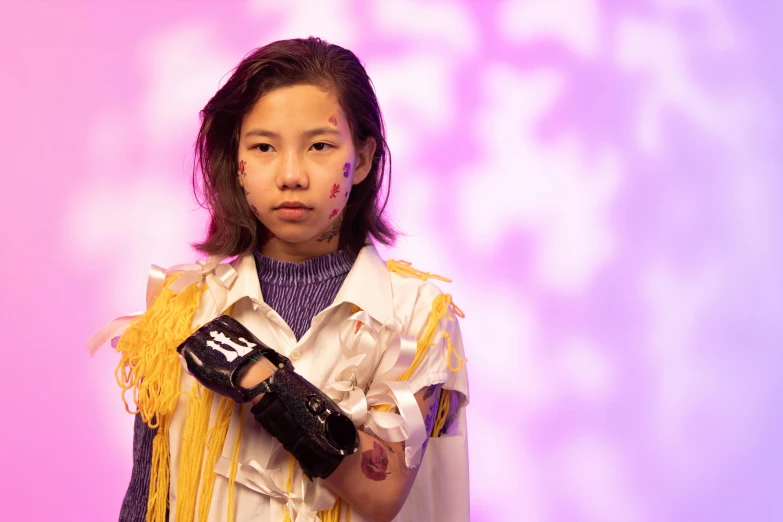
(289, 238)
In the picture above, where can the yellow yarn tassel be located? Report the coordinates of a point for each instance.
(148, 357)
(404, 268)
(440, 309)
(232, 473)
(443, 411)
(289, 484)
(149, 368)
(216, 438)
(333, 514)
(158, 498)
(192, 456)
(452, 352)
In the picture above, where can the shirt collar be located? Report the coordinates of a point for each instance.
(368, 284)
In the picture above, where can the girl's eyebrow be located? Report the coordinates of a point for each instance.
(264, 133)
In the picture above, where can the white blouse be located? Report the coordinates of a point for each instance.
(358, 367)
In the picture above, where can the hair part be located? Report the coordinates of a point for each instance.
(233, 229)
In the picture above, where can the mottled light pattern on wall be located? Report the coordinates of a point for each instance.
(600, 179)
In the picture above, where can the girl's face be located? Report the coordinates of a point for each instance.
(297, 165)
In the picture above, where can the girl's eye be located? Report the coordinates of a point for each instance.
(320, 146)
(263, 147)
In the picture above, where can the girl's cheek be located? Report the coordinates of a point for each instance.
(347, 171)
(242, 173)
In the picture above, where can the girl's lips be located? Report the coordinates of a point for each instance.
(292, 213)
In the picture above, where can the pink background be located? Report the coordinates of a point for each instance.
(600, 179)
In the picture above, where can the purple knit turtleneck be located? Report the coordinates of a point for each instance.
(296, 291)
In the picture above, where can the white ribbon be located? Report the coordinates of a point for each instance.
(302, 503)
(219, 278)
(385, 353)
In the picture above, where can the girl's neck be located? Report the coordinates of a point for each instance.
(281, 250)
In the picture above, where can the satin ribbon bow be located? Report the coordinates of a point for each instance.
(218, 277)
(303, 502)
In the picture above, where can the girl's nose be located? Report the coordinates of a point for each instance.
(292, 174)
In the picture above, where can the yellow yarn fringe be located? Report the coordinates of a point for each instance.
(289, 483)
(443, 411)
(148, 357)
(150, 369)
(158, 498)
(404, 268)
(216, 438)
(194, 434)
(452, 352)
(232, 474)
(333, 515)
(440, 309)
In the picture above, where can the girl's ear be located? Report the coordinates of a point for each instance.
(364, 155)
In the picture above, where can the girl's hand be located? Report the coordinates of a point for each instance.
(257, 373)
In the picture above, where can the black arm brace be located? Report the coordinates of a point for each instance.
(304, 419)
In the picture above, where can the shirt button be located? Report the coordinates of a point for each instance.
(296, 354)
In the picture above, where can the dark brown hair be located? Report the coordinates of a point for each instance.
(233, 229)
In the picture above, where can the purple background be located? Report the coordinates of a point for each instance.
(600, 179)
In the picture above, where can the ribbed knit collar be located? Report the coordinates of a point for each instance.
(312, 271)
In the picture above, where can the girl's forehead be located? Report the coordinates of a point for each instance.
(297, 103)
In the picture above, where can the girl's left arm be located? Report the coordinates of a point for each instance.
(375, 480)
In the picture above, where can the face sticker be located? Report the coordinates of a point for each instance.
(335, 190)
(244, 175)
(346, 170)
(333, 120)
(334, 213)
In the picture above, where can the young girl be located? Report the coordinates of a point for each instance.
(292, 157)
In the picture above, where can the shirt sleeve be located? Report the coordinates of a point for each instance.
(444, 361)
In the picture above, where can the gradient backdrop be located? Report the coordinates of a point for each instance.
(600, 179)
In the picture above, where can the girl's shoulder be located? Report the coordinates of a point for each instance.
(416, 294)
(402, 274)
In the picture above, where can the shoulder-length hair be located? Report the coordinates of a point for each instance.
(233, 229)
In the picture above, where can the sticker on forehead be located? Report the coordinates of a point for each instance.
(346, 170)
(333, 120)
